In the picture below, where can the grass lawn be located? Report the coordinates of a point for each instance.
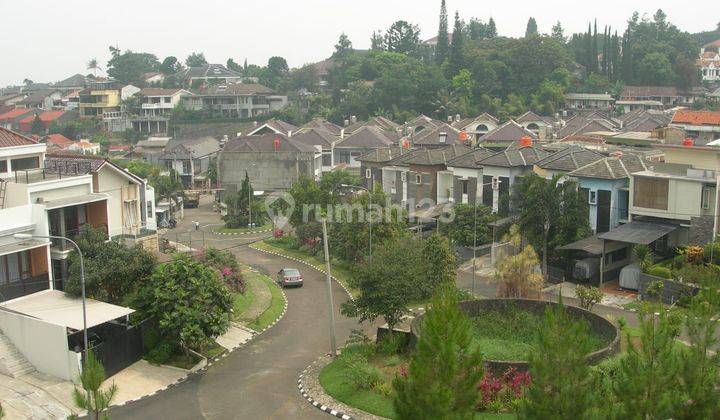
(211, 350)
(508, 335)
(183, 361)
(242, 230)
(242, 301)
(277, 303)
(338, 269)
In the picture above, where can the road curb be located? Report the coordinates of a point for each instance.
(307, 264)
(240, 233)
(215, 359)
(312, 401)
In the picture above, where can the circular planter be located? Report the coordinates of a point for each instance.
(599, 325)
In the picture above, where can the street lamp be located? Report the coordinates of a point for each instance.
(369, 219)
(475, 206)
(24, 236)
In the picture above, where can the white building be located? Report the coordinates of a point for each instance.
(160, 102)
(709, 62)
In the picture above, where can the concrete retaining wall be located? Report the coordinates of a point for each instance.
(672, 290)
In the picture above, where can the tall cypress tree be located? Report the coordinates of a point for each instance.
(491, 28)
(605, 45)
(531, 28)
(594, 62)
(456, 57)
(588, 49)
(441, 49)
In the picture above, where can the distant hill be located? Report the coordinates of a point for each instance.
(707, 36)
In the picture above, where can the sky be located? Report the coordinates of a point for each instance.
(54, 39)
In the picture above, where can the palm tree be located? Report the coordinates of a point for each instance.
(93, 65)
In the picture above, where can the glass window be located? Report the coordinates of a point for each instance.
(418, 178)
(368, 173)
(592, 197)
(3, 165)
(705, 200)
(21, 164)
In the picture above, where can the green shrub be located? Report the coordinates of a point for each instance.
(678, 261)
(361, 374)
(383, 388)
(286, 242)
(644, 256)
(705, 275)
(588, 296)
(662, 272)
(714, 249)
(161, 353)
(151, 338)
(391, 344)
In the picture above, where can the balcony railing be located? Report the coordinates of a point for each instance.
(23, 286)
(52, 170)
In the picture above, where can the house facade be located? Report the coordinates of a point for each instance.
(240, 100)
(709, 62)
(156, 102)
(702, 126)
(578, 102)
(190, 159)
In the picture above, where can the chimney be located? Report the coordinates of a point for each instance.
(525, 141)
(688, 142)
(442, 138)
(353, 119)
(342, 132)
(346, 123)
(276, 144)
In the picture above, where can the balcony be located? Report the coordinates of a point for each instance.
(159, 105)
(30, 176)
(24, 285)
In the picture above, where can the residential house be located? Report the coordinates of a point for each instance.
(102, 99)
(57, 142)
(462, 181)
(151, 149)
(157, 102)
(319, 122)
(322, 138)
(73, 83)
(153, 78)
(10, 99)
(605, 183)
(210, 74)
(505, 135)
(372, 164)
(709, 62)
(581, 124)
(440, 137)
(361, 141)
(18, 153)
(272, 161)
(501, 170)
(479, 126)
(274, 125)
(418, 124)
(240, 100)
(542, 127)
(46, 119)
(10, 119)
(84, 147)
(666, 96)
(190, 159)
(383, 123)
(566, 160)
(579, 102)
(681, 192)
(42, 99)
(702, 126)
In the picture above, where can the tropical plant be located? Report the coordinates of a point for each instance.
(643, 255)
(91, 397)
(516, 272)
(93, 65)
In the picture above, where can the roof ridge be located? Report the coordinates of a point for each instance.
(609, 168)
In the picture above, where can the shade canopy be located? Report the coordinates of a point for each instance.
(591, 245)
(72, 201)
(640, 233)
(59, 308)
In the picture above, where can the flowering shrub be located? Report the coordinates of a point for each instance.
(233, 280)
(502, 393)
(277, 233)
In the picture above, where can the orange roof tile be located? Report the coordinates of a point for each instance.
(46, 116)
(9, 138)
(696, 117)
(14, 113)
(59, 140)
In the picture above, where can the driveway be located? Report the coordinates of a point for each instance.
(258, 381)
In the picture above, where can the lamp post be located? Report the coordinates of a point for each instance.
(370, 219)
(82, 280)
(475, 206)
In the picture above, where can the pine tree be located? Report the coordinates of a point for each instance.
(594, 62)
(646, 386)
(531, 28)
(441, 49)
(37, 127)
(456, 60)
(604, 62)
(561, 388)
(91, 397)
(588, 50)
(558, 32)
(445, 369)
(491, 29)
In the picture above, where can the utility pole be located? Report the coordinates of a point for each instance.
(328, 284)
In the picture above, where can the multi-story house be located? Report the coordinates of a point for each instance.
(479, 126)
(462, 181)
(190, 159)
(156, 102)
(681, 193)
(702, 126)
(361, 141)
(709, 62)
(321, 138)
(578, 102)
(211, 74)
(43, 99)
(240, 100)
(666, 96)
(373, 163)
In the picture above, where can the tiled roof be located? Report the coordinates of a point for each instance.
(37, 97)
(713, 44)
(158, 91)
(431, 137)
(10, 138)
(368, 136)
(432, 156)
(278, 126)
(210, 71)
(382, 155)
(323, 123)
(532, 117)
(524, 156)
(647, 91)
(76, 80)
(265, 143)
(510, 131)
(190, 148)
(569, 159)
(15, 113)
(45, 116)
(471, 159)
(316, 136)
(238, 89)
(684, 116)
(612, 167)
(58, 140)
(73, 163)
(376, 121)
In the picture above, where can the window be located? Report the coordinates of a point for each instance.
(150, 210)
(186, 166)
(3, 165)
(464, 186)
(705, 199)
(25, 163)
(368, 173)
(616, 256)
(592, 198)
(651, 193)
(418, 179)
(403, 176)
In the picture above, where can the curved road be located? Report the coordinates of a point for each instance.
(258, 381)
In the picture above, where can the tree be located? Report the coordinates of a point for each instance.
(646, 385)
(561, 386)
(195, 59)
(377, 41)
(460, 229)
(439, 262)
(93, 66)
(549, 98)
(232, 65)
(113, 271)
(655, 69)
(491, 29)
(558, 32)
(402, 37)
(456, 58)
(441, 48)
(387, 283)
(128, 66)
(27, 82)
(276, 71)
(551, 213)
(343, 48)
(445, 368)
(37, 126)
(93, 399)
(515, 268)
(242, 205)
(170, 65)
(188, 300)
(532, 28)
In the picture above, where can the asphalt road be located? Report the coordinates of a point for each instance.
(258, 381)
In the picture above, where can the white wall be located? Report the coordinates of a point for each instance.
(60, 188)
(44, 345)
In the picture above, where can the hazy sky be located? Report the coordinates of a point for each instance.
(48, 40)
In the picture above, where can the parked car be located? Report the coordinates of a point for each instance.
(289, 277)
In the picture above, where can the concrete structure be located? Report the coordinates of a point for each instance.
(372, 164)
(157, 102)
(588, 101)
(241, 100)
(709, 62)
(361, 141)
(272, 161)
(18, 153)
(462, 181)
(702, 126)
(190, 159)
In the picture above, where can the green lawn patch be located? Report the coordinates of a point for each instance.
(277, 303)
(338, 269)
(242, 301)
(183, 361)
(242, 230)
(211, 350)
(508, 334)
